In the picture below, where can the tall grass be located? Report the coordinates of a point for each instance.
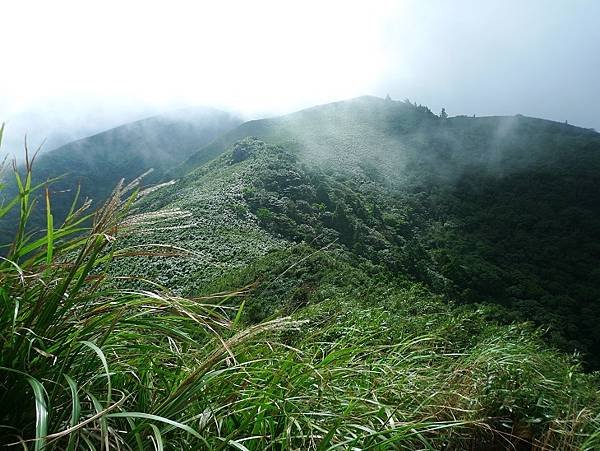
(88, 363)
(84, 363)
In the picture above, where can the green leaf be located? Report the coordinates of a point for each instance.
(149, 416)
(102, 357)
(238, 315)
(41, 413)
(75, 410)
(158, 438)
(41, 407)
(238, 445)
(103, 424)
(9, 206)
(49, 230)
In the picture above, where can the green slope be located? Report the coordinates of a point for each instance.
(501, 210)
(400, 242)
(395, 136)
(363, 260)
(98, 162)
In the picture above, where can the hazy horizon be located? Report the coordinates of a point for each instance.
(77, 69)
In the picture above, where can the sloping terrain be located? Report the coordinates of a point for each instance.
(98, 162)
(352, 276)
(501, 210)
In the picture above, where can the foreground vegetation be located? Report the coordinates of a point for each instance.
(303, 348)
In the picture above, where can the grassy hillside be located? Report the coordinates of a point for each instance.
(407, 141)
(98, 162)
(355, 275)
(501, 210)
(369, 360)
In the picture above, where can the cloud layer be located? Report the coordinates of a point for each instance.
(83, 66)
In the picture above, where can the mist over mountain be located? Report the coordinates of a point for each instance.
(396, 260)
(481, 210)
(54, 124)
(97, 163)
(320, 226)
(392, 134)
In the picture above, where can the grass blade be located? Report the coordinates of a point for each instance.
(75, 410)
(158, 438)
(160, 419)
(102, 358)
(49, 230)
(41, 413)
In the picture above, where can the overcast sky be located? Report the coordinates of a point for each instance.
(72, 68)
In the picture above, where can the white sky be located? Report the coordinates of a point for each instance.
(76, 67)
(246, 55)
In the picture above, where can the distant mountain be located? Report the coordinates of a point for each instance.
(395, 135)
(98, 162)
(497, 210)
(54, 124)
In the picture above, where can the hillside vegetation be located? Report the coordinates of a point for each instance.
(352, 276)
(97, 163)
(481, 210)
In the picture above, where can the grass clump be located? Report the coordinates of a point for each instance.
(384, 363)
(84, 364)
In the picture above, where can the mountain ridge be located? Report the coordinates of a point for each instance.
(462, 205)
(98, 162)
(376, 272)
